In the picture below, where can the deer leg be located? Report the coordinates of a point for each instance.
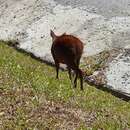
(69, 72)
(81, 78)
(75, 80)
(76, 64)
(57, 69)
(80, 74)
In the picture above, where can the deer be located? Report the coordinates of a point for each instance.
(67, 49)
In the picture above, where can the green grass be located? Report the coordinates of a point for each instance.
(31, 98)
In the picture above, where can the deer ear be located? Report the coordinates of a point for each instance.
(64, 33)
(52, 35)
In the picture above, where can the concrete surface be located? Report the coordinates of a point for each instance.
(118, 73)
(100, 24)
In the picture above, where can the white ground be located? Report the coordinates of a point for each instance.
(118, 73)
(99, 24)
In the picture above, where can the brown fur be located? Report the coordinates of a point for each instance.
(68, 50)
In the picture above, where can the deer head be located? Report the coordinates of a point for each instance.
(53, 35)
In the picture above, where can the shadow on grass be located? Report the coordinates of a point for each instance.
(109, 90)
(15, 44)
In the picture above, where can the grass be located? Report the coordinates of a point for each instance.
(32, 99)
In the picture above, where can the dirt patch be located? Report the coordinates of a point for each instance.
(24, 108)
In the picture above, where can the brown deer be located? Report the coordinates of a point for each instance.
(68, 50)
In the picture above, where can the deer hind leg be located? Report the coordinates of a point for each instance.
(57, 69)
(75, 80)
(80, 74)
(69, 72)
(81, 78)
(76, 71)
(75, 67)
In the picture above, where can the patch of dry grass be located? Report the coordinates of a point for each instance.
(22, 108)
